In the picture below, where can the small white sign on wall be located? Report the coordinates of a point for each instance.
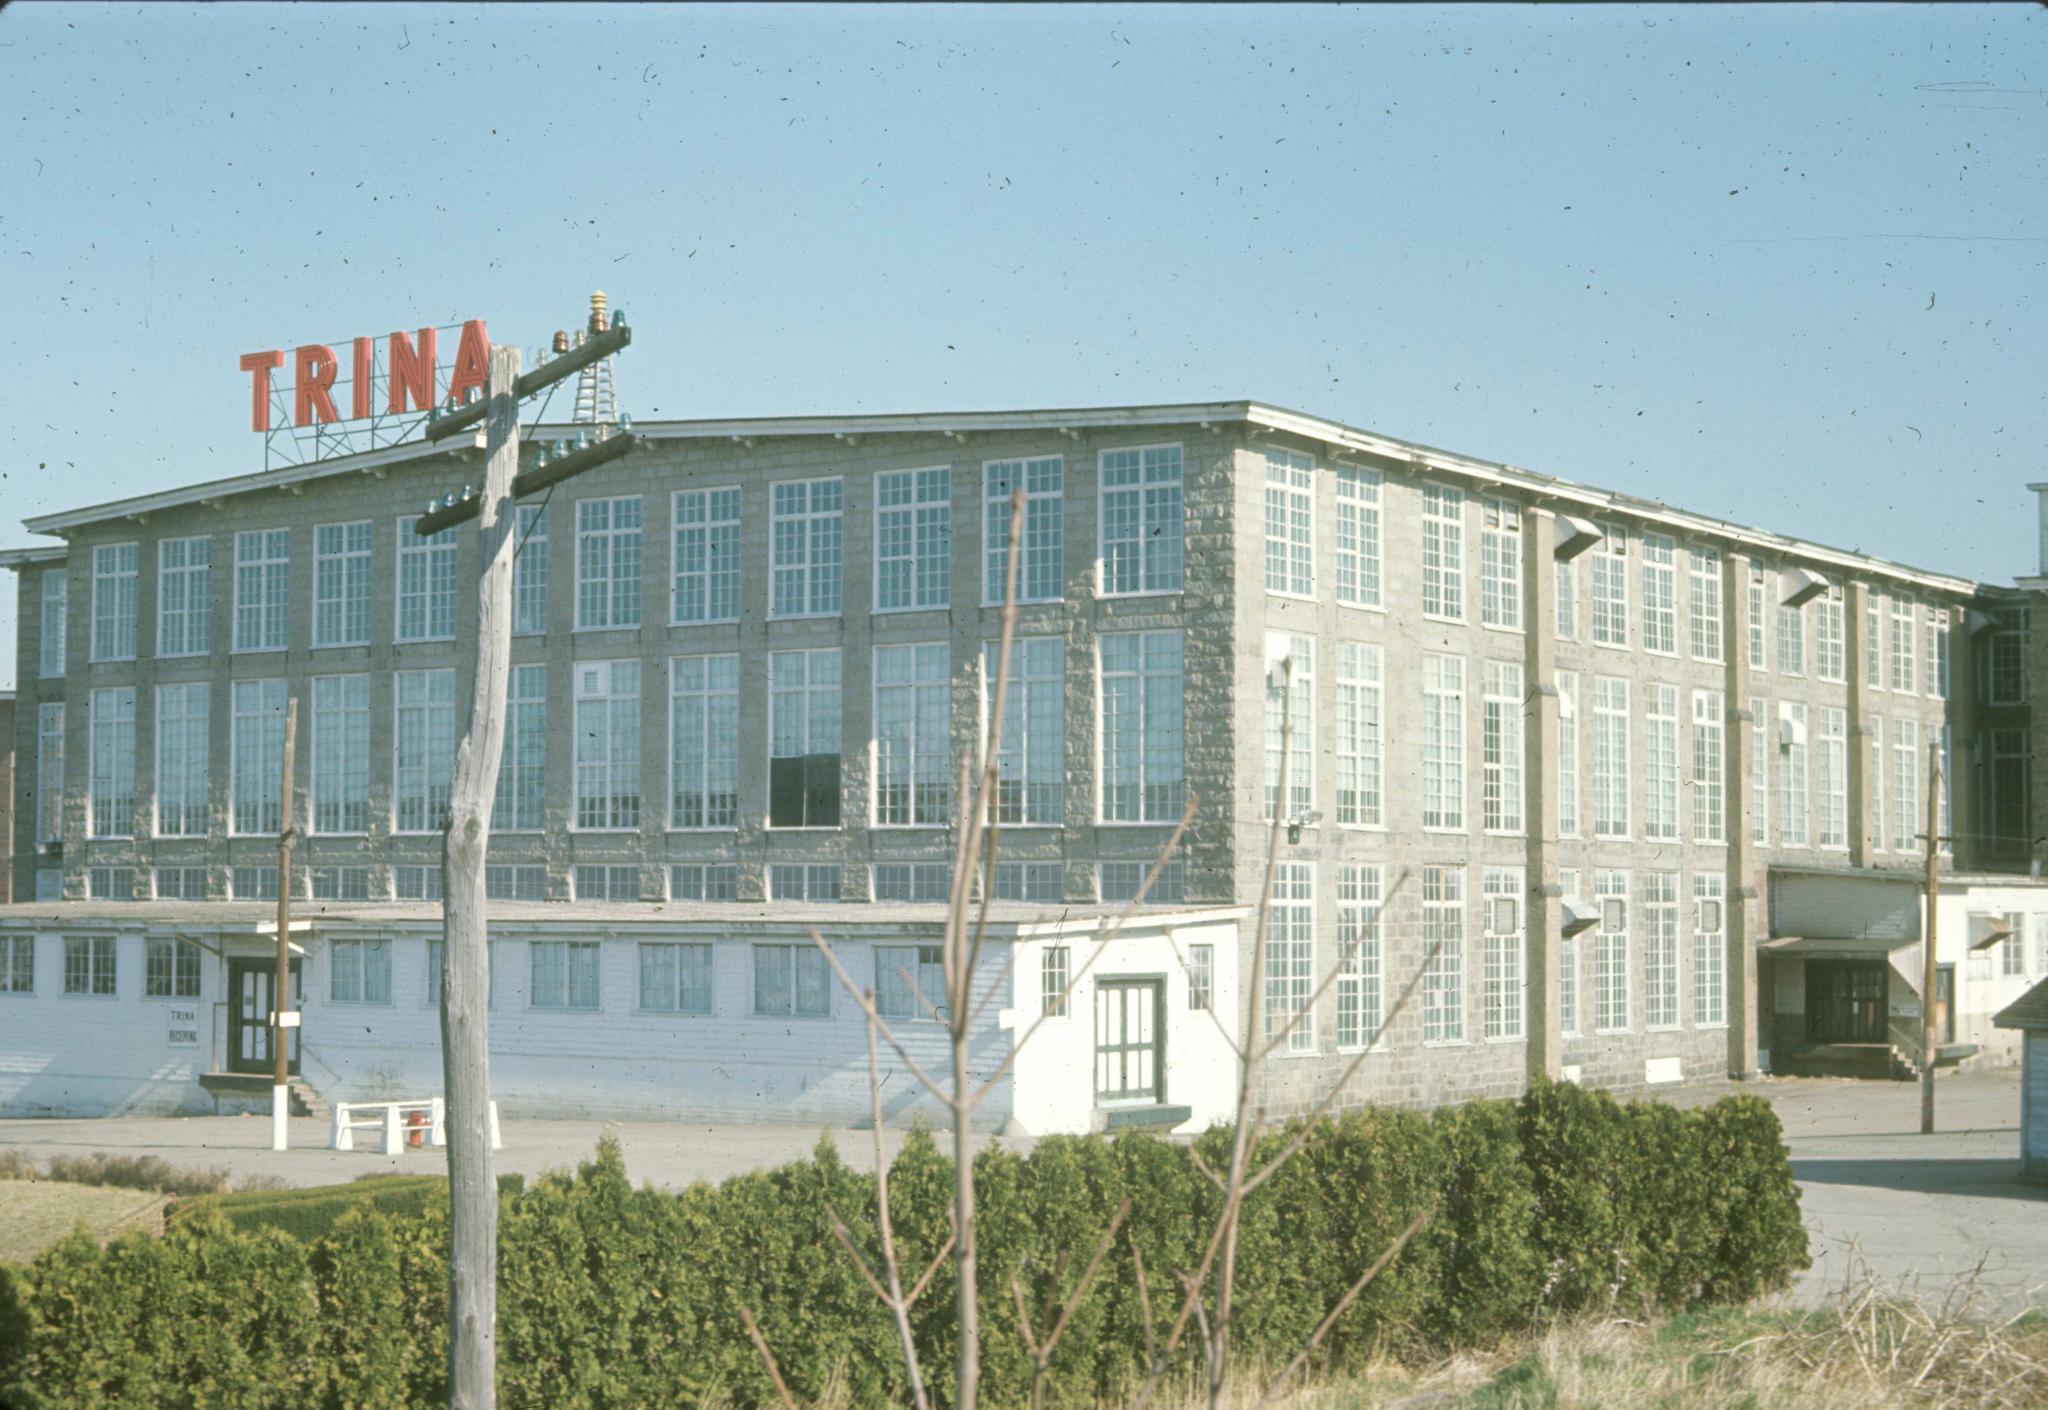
(183, 1026)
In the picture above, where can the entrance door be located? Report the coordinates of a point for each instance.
(250, 983)
(1130, 1041)
(1945, 1003)
(1845, 1001)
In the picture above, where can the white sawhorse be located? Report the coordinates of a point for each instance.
(387, 1117)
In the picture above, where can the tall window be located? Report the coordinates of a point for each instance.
(341, 582)
(184, 597)
(1041, 560)
(791, 980)
(704, 741)
(1902, 644)
(1567, 596)
(18, 964)
(607, 705)
(807, 547)
(424, 752)
(1443, 551)
(1834, 777)
(1443, 742)
(1792, 804)
(913, 769)
(1141, 726)
(55, 623)
(804, 745)
(1610, 586)
(1358, 536)
(1501, 987)
(1660, 949)
(50, 772)
(1704, 602)
(1360, 998)
(183, 764)
(1829, 658)
(256, 742)
(1938, 662)
(1500, 563)
(608, 563)
(1501, 746)
(1030, 772)
(1905, 785)
(1568, 966)
(1358, 735)
(1290, 523)
(113, 601)
(1201, 976)
(1055, 964)
(1142, 520)
(341, 753)
(1873, 648)
(1709, 951)
(1660, 595)
(111, 777)
(1610, 757)
(2005, 659)
(1291, 956)
(1879, 762)
(1567, 754)
(1292, 659)
(564, 974)
(522, 775)
(1756, 615)
(913, 538)
(1610, 953)
(1759, 773)
(910, 982)
(1791, 640)
(263, 570)
(1443, 940)
(1660, 763)
(1709, 767)
(706, 556)
(530, 571)
(675, 978)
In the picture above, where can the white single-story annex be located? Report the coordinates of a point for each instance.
(708, 1011)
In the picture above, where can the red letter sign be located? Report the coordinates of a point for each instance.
(311, 381)
(360, 383)
(410, 372)
(260, 366)
(471, 362)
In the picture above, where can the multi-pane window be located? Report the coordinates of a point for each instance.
(110, 779)
(1610, 757)
(1902, 644)
(184, 770)
(916, 882)
(1566, 574)
(1938, 662)
(89, 965)
(184, 597)
(2012, 954)
(1290, 708)
(1443, 551)
(341, 581)
(1201, 976)
(1443, 742)
(1834, 777)
(607, 705)
(675, 978)
(1041, 560)
(1759, 773)
(1141, 726)
(416, 883)
(181, 883)
(522, 770)
(792, 980)
(706, 556)
(341, 883)
(1660, 949)
(341, 753)
(2005, 656)
(803, 738)
(170, 968)
(1358, 536)
(54, 623)
(1290, 522)
(1610, 586)
(1829, 655)
(359, 971)
(254, 883)
(113, 601)
(1709, 951)
(564, 974)
(910, 982)
(1873, 645)
(1610, 953)
(1030, 773)
(913, 538)
(1709, 767)
(1879, 818)
(1030, 881)
(704, 881)
(1443, 941)
(1501, 989)
(1501, 746)
(1118, 882)
(511, 881)
(1500, 563)
(1756, 615)
(1291, 957)
(1704, 603)
(803, 881)
(1055, 965)
(530, 571)
(423, 762)
(17, 964)
(608, 563)
(606, 882)
(1142, 520)
(1358, 735)
(807, 547)
(1660, 595)
(1792, 802)
(704, 741)
(50, 772)
(1944, 832)
(110, 883)
(1660, 763)
(1567, 754)
(913, 783)
(1905, 785)
(1568, 965)
(1791, 640)
(1360, 999)
(437, 964)
(263, 572)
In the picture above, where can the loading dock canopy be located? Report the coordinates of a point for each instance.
(1821, 946)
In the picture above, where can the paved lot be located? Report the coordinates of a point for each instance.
(1877, 1194)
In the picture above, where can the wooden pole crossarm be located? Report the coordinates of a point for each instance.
(599, 347)
(534, 480)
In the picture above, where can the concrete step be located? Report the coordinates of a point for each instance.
(304, 1100)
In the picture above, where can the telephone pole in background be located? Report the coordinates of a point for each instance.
(1931, 972)
(283, 1017)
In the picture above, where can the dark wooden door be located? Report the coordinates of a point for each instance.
(1845, 1001)
(250, 983)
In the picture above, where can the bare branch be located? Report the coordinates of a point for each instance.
(1145, 1307)
(925, 1278)
(898, 1304)
(1001, 985)
(867, 1269)
(1322, 1330)
(1023, 1313)
(1203, 1166)
(1059, 1328)
(1344, 956)
(767, 1357)
(1215, 1017)
(867, 1006)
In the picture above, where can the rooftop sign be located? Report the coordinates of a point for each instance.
(310, 404)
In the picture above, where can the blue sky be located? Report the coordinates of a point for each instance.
(1785, 264)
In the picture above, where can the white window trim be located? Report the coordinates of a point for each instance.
(675, 527)
(810, 566)
(1102, 492)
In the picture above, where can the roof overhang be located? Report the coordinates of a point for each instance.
(1821, 946)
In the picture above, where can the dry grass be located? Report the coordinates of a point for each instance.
(35, 1215)
(130, 1172)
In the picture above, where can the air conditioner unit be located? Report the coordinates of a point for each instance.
(1614, 913)
(1567, 706)
(1791, 731)
(1575, 536)
(1708, 917)
(1799, 586)
(1503, 915)
(1578, 915)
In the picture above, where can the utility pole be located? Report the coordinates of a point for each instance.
(1931, 972)
(283, 1017)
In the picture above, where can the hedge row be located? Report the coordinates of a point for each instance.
(609, 1296)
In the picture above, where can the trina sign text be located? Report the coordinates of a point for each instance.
(411, 374)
